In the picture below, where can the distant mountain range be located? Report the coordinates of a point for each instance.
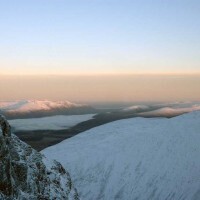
(41, 108)
(162, 110)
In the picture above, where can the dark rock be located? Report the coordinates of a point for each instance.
(27, 174)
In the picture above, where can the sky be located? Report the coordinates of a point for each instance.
(86, 39)
(108, 88)
(99, 36)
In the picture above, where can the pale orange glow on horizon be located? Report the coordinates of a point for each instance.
(95, 73)
(107, 88)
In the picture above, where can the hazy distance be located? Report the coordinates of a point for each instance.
(102, 88)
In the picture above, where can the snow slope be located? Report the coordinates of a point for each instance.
(136, 158)
(58, 122)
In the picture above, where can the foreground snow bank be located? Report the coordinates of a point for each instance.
(135, 159)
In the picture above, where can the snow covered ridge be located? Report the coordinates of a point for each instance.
(136, 108)
(136, 158)
(163, 110)
(27, 174)
(37, 108)
(33, 105)
(168, 111)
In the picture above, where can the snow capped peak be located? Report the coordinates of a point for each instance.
(35, 105)
(40, 108)
(164, 109)
(168, 111)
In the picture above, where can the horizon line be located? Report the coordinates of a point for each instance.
(108, 74)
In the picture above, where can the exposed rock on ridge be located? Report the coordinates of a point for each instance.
(5, 126)
(27, 174)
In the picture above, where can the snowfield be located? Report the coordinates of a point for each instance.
(135, 158)
(58, 122)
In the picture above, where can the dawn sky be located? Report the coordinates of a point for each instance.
(107, 88)
(99, 36)
(104, 50)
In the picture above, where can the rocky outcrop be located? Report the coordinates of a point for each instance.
(5, 126)
(27, 174)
